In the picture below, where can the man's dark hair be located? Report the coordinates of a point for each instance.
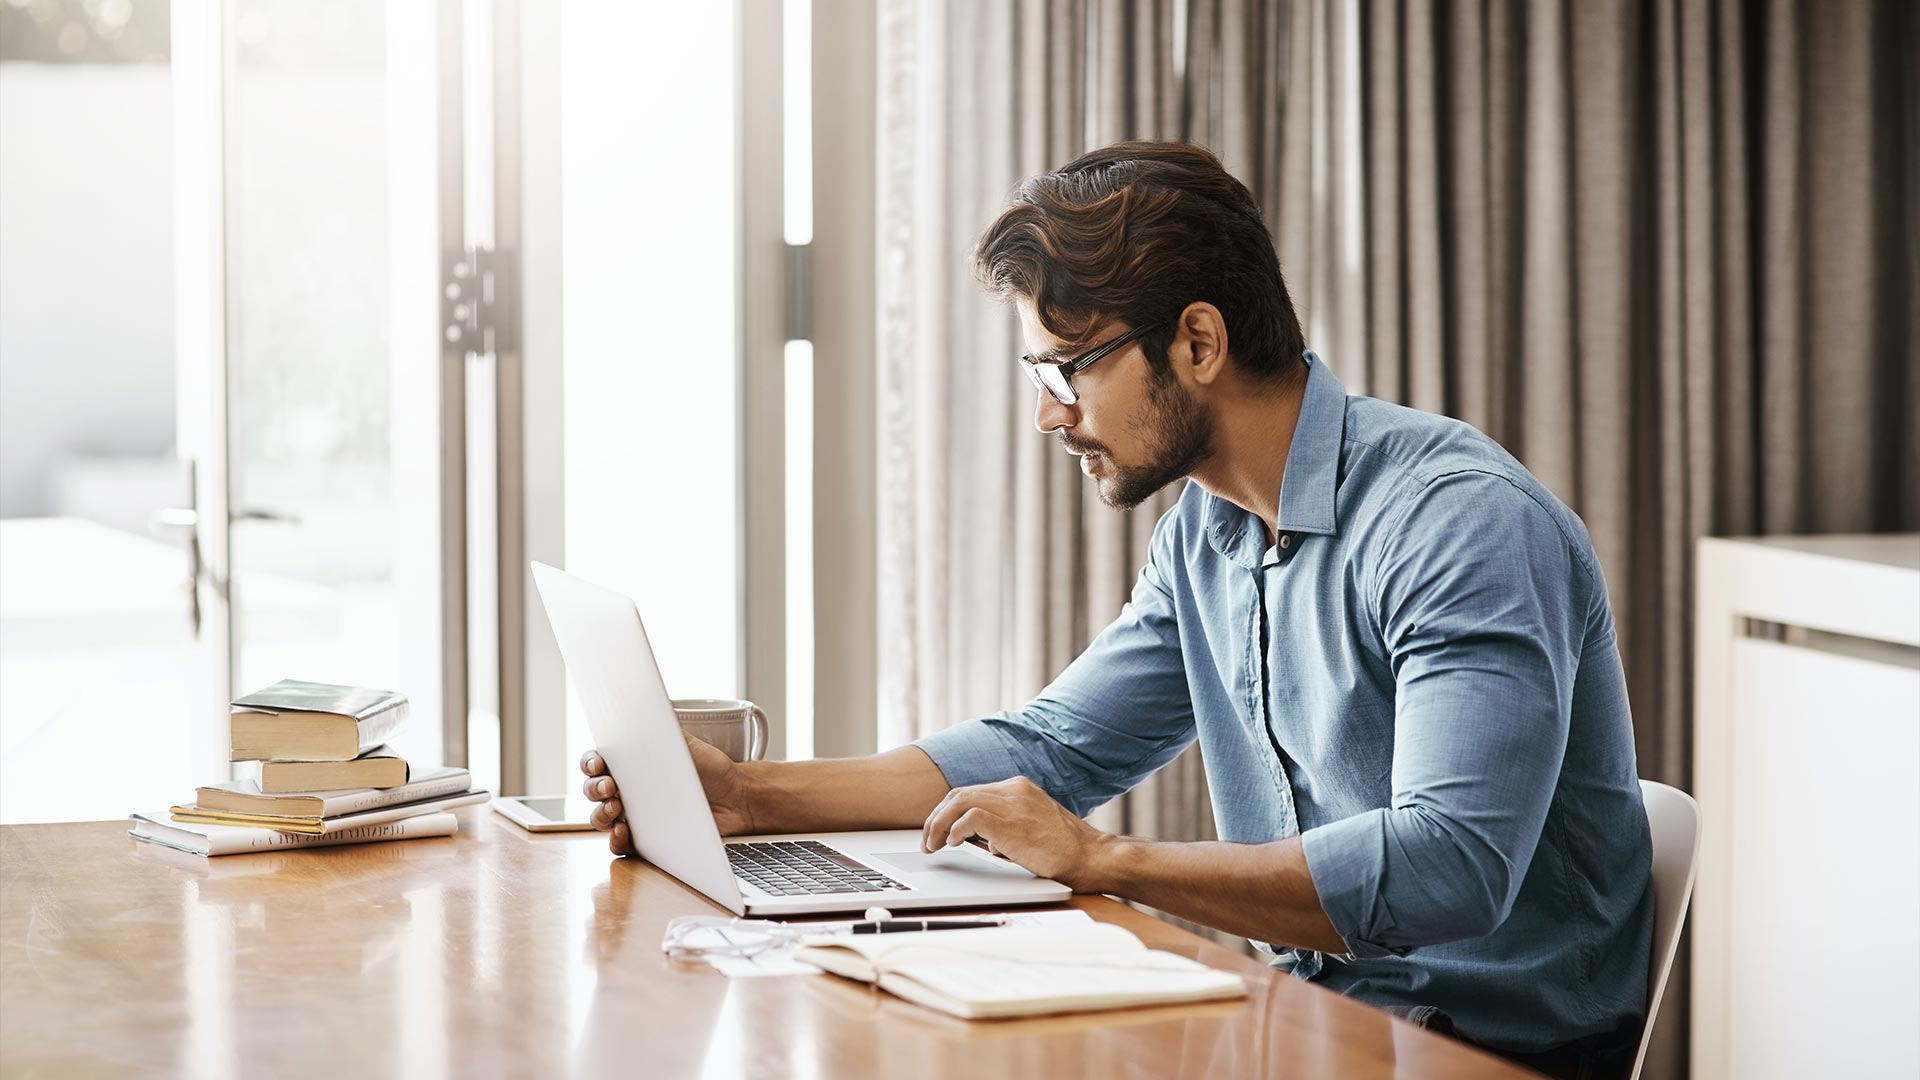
(1135, 232)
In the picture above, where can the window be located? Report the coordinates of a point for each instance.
(651, 402)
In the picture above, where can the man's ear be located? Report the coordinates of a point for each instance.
(1200, 345)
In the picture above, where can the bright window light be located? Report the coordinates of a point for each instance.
(799, 530)
(796, 32)
(651, 393)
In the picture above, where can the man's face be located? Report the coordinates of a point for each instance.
(1134, 431)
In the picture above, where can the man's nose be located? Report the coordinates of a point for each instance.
(1050, 416)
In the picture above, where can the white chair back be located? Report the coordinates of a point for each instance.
(1674, 819)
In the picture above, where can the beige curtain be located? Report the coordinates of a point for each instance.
(997, 562)
(1664, 251)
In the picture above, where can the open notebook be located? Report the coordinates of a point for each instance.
(1020, 971)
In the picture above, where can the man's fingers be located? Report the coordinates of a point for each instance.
(933, 835)
(1004, 797)
(958, 801)
(971, 823)
(927, 826)
(606, 814)
(600, 788)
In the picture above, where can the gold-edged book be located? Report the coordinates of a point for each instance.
(246, 797)
(200, 816)
(320, 826)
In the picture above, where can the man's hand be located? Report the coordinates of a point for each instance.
(726, 794)
(1263, 891)
(1020, 821)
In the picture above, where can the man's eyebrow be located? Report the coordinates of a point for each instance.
(1054, 355)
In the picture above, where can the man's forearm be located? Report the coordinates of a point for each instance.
(894, 790)
(1260, 891)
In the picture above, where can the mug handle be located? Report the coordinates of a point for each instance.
(757, 734)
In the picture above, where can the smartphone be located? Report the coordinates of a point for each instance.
(546, 813)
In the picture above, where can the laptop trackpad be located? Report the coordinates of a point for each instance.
(952, 861)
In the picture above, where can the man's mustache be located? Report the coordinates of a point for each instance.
(1081, 446)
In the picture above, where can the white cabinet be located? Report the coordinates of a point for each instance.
(1806, 918)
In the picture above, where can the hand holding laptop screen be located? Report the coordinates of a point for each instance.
(718, 775)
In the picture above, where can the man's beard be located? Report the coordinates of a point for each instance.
(1179, 432)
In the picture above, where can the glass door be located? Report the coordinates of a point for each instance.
(232, 448)
(332, 248)
(111, 653)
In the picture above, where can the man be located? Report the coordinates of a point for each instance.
(1393, 644)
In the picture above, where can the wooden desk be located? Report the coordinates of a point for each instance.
(499, 953)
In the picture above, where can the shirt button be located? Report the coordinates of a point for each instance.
(1286, 540)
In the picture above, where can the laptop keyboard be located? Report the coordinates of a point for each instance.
(800, 867)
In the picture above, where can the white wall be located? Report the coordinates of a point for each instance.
(86, 270)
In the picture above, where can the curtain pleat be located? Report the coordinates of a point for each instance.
(1662, 250)
(1466, 216)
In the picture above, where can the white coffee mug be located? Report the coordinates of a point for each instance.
(737, 727)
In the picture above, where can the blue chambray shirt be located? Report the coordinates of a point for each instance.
(1421, 676)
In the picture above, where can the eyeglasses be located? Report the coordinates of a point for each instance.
(1056, 376)
(696, 937)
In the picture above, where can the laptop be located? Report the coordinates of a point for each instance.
(614, 672)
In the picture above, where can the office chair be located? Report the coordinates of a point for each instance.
(1674, 819)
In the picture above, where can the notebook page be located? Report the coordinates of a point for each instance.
(980, 986)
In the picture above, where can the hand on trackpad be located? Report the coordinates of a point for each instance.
(951, 860)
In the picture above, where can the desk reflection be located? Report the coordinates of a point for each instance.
(823, 1026)
(499, 953)
(645, 1011)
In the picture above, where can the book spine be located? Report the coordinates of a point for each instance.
(381, 726)
(378, 797)
(403, 829)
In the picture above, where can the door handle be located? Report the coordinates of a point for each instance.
(256, 514)
(185, 519)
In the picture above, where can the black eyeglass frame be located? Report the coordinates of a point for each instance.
(1044, 373)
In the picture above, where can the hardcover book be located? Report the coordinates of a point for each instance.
(304, 721)
(377, 768)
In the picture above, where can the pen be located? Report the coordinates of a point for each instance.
(901, 926)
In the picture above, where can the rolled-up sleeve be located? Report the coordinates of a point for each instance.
(1481, 601)
(1120, 711)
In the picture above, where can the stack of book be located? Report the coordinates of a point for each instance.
(326, 776)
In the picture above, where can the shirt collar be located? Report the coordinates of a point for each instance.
(1313, 458)
(1313, 469)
